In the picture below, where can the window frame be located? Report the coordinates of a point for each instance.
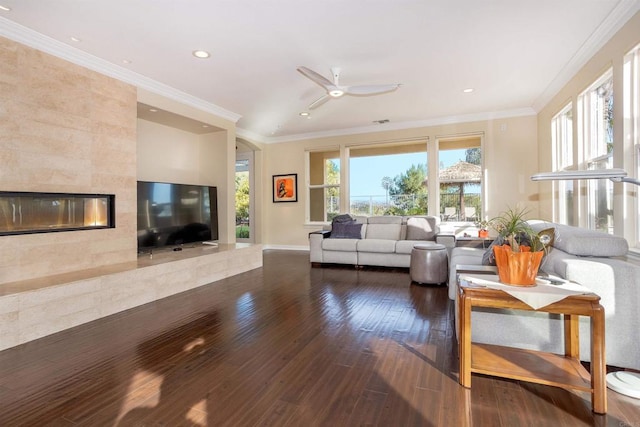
(631, 142)
(562, 139)
(310, 187)
(593, 153)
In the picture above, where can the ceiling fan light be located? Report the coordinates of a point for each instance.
(335, 93)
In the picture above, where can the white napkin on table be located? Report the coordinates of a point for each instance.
(538, 296)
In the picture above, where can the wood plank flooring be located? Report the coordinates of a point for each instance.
(283, 345)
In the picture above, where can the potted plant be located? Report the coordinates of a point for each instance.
(519, 256)
(483, 228)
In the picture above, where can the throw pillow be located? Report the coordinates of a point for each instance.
(343, 218)
(489, 258)
(349, 230)
(420, 229)
(551, 232)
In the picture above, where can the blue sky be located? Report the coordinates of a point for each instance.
(367, 172)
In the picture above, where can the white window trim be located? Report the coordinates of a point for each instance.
(309, 186)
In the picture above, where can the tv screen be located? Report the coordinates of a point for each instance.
(175, 214)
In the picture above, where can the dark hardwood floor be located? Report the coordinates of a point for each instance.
(284, 345)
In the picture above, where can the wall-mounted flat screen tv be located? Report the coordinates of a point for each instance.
(175, 214)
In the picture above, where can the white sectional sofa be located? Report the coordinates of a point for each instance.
(382, 241)
(594, 259)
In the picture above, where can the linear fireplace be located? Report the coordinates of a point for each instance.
(34, 212)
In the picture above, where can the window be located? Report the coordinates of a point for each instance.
(562, 140)
(595, 112)
(460, 177)
(388, 179)
(631, 108)
(324, 185)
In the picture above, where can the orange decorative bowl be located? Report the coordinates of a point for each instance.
(517, 268)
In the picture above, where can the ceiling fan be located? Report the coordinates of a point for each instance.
(334, 90)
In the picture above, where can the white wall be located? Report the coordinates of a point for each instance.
(167, 154)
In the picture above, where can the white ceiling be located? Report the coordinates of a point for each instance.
(515, 54)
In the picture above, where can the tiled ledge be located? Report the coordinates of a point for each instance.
(35, 308)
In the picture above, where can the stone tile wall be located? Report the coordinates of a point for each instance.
(65, 128)
(29, 312)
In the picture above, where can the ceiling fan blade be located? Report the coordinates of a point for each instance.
(312, 75)
(370, 89)
(318, 102)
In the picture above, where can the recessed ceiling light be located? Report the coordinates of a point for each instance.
(126, 61)
(305, 114)
(5, 8)
(468, 90)
(201, 54)
(336, 93)
(153, 110)
(75, 39)
(205, 126)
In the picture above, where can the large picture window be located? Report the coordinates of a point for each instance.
(388, 179)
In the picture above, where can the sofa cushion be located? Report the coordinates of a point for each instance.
(384, 219)
(421, 228)
(584, 242)
(377, 245)
(346, 230)
(406, 246)
(383, 231)
(343, 245)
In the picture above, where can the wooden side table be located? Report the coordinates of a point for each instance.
(564, 371)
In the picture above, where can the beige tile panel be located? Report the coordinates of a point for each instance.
(111, 149)
(9, 304)
(125, 130)
(109, 183)
(56, 140)
(175, 282)
(9, 70)
(56, 117)
(9, 330)
(64, 294)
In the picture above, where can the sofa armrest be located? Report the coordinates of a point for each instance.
(323, 233)
(315, 244)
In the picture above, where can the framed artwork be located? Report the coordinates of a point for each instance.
(285, 188)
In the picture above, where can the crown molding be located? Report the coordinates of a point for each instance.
(250, 135)
(26, 36)
(619, 16)
(465, 118)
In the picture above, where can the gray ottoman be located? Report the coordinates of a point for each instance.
(429, 264)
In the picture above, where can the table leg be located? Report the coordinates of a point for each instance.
(598, 362)
(464, 347)
(572, 336)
